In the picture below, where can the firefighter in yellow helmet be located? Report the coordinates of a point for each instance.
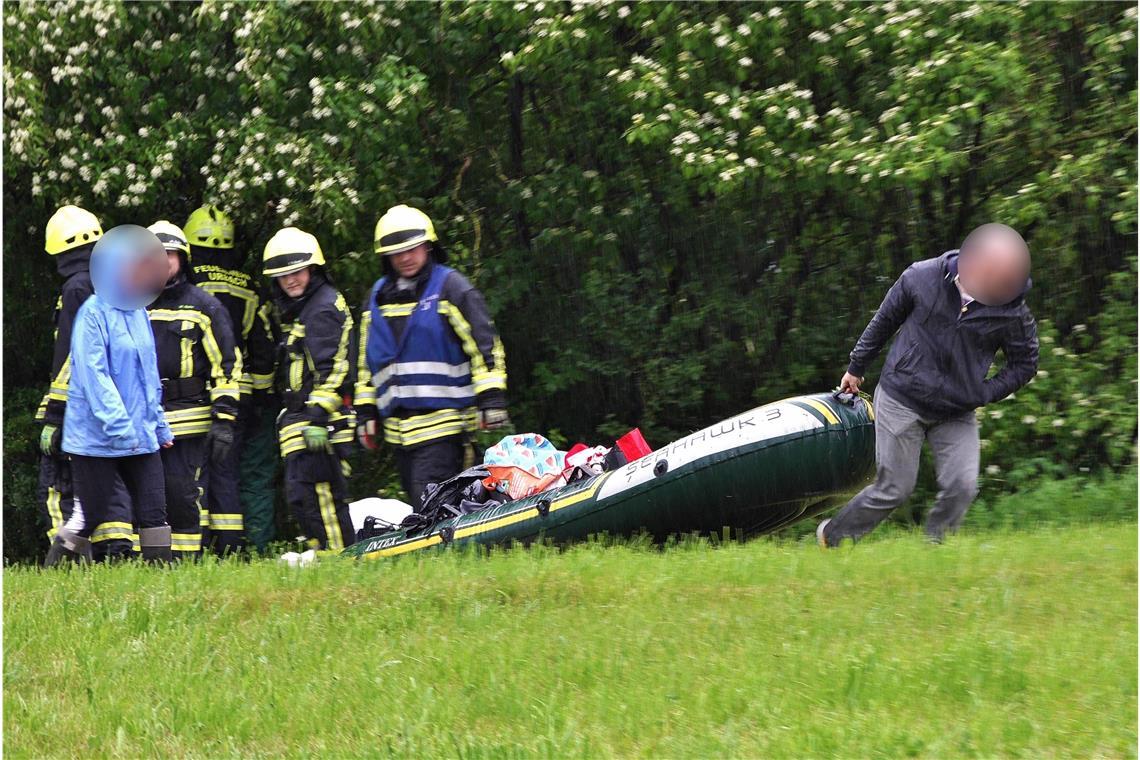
(200, 368)
(430, 362)
(71, 233)
(313, 377)
(242, 482)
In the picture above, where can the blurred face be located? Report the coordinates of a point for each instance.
(409, 263)
(294, 283)
(994, 265)
(173, 265)
(148, 274)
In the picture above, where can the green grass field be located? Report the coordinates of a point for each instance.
(996, 644)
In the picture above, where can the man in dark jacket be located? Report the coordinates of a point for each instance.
(201, 369)
(244, 480)
(71, 233)
(952, 314)
(430, 363)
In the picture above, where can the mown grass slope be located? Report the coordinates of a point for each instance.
(994, 644)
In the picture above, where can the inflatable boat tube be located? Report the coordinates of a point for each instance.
(753, 473)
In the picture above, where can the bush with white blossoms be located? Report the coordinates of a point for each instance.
(676, 210)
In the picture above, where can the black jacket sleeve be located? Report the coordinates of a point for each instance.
(1020, 346)
(225, 361)
(364, 393)
(896, 306)
(328, 332)
(260, 354)
(470, 319)
(55, 402)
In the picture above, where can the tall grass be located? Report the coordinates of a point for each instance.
(994, 644)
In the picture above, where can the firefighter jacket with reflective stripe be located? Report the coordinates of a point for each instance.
(73, 266)
(429, 355)
(315, 356)
(215, 272)
(198, 362)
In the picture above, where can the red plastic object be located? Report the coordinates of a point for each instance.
(633, 445)
(575, 449)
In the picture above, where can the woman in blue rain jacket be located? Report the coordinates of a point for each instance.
(114, 423)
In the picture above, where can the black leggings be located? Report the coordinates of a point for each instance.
(94, 480)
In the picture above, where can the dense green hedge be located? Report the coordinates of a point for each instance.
(676, 210)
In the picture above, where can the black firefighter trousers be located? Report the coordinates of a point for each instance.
(317, 492)
(433, 462)
(182, 466)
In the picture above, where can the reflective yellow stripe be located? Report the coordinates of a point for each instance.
(225, 521)
(187, 422)
(364, 392)
(410, 431)
(493, 378)
(261, 382)
(189, 429)
(397, 309)
(246, 295)
(53, 505)
(186, 365)
(62, 380)
(111, 531)
(55, 514)
(333, 539)
(823, 409)
(296, 362)
(482, 377)
(292, 446)
(233, 390)
(185, 542)
(324, 399)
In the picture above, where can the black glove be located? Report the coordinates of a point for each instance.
(219, 441)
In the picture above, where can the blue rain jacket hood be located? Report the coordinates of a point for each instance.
(114, 405)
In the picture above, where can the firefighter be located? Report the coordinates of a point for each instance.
(430, 362)
(243, 482)
(315, 354)
(200, 370)
(71, 233)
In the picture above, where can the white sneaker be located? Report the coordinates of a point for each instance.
(819, 533)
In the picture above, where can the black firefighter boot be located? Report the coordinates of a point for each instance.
(155, 545)
(68, 547)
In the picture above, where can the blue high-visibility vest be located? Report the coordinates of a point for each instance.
(427, 369)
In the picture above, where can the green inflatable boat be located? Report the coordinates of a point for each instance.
(751, 474)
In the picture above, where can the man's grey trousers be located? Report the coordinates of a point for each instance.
(899, 433)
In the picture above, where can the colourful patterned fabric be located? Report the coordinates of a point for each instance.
(523, 464)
